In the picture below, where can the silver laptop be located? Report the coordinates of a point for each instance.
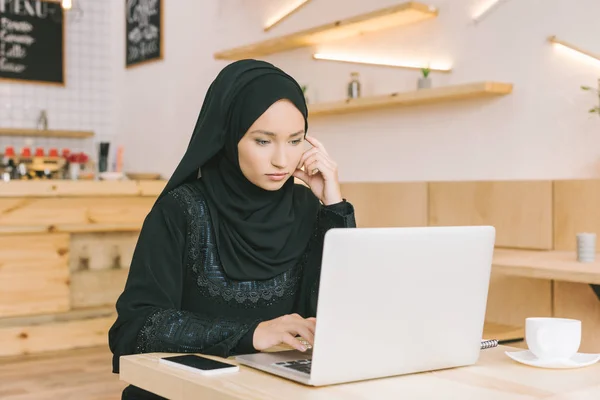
(393, 301)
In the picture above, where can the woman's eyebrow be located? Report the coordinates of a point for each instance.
(274, 134)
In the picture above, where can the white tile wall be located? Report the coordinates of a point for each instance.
(84, 103)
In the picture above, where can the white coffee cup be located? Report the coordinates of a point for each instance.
(553, 338)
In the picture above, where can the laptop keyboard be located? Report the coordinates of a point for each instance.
(297, 365)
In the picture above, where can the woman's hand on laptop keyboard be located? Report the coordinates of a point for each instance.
(284, 330)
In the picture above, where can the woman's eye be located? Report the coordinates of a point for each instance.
(262, 142)
(297, 141)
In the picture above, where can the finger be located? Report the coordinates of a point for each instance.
(310, 325)
(293, 342)
(302, 175)
(306, 334)
(317, 157)
(307, 154)
(318, 166)
(307, 323)
(316, 143)
(313, 168)
(302, 329)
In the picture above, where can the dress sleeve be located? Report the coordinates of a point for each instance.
(339, 215)
(149, 314)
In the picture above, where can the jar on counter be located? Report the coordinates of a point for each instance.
(354, 86)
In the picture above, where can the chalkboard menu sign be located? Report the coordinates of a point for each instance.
(32, 41)
(143, 28)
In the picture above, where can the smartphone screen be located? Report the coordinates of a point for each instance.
(194, 361)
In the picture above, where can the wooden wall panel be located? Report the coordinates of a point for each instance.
(511, 299)
(97, 288)
(388, 204)
(578, 300)
(102, 250)
(521, 211)
(20, 336)
(576, 209)
(34, 274)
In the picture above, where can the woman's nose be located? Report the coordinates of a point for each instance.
(279, 159)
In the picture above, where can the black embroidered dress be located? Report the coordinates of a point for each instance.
(183, 302)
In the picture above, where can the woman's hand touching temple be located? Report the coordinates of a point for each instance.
(320, 173)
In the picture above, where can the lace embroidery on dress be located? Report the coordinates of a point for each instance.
(175, 331)
(203, 260)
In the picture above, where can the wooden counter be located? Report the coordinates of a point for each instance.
(83, 188)
(551, 264)
(75, 206)
(65, 250)
(494, 376)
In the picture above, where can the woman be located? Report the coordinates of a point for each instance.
(228, 259)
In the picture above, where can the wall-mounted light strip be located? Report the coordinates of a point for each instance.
(289, 9)
(574, 50)
(485, 8)
(385, 62)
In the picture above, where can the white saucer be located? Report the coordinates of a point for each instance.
(577, 361)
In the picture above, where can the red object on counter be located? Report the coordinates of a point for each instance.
(39, 152)
(65, 153)
(25, 152)
(53, 152)
(9, 151)
(80, 158)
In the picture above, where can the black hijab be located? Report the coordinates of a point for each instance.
(259, 233)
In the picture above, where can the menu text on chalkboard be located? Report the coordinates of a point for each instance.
(32, 41)
(143, 29)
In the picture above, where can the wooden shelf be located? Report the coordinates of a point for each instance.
(398, 15)
(550, 264)
(416, 97)
(46, 133)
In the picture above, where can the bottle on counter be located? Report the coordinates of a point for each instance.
(354, 86)
(119, 160)
(9, 167)
(42, 122)
(103, 156)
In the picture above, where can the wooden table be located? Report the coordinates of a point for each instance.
(495, 376)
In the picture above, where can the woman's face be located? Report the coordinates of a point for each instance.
(272, 147)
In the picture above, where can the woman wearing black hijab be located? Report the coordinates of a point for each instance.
(228, 259)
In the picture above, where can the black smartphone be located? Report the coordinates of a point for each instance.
(203, 365)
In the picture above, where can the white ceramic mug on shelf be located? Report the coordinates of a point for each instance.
(553, 338)
(586, 247)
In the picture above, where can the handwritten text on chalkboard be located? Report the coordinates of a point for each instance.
(144, 30)
(31, 41)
